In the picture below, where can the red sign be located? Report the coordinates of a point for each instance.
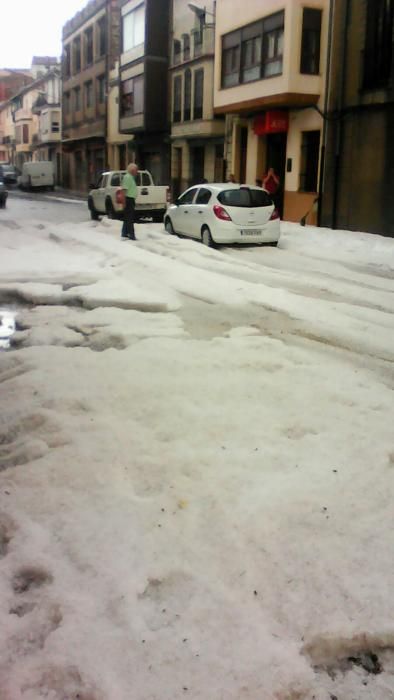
(272, 122)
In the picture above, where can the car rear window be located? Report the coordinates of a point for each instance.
(245, 197)
(143, 179)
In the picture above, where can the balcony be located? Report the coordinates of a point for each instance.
(23, 115)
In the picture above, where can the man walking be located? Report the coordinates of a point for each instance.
(129, 187)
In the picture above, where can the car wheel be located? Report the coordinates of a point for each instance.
(109, 208)
(169, 227)
(94, 215)
(207, 238)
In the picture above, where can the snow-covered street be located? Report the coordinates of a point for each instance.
(197, 466)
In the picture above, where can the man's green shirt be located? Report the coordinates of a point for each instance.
(128, 184)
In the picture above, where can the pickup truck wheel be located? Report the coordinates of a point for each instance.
(94, 215)
(169, 227)
(109, 208)
(207, 238)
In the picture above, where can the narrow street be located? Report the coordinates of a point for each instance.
(43, 206)
(196, 460)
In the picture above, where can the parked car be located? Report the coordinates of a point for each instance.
(3, 191)
(224, 213)
(37, 174)
(151, 200)
(10, 174)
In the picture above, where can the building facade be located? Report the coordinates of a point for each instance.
(269, 83)
(143, 86)
(11, 82)
(30, 121)
(90, 49)
(358, 173)
(46, 142)
(25, 123)
(7, 133)
(197, 137)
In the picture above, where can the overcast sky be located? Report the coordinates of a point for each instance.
(33, 28)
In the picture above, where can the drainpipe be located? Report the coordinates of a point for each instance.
(339, 133)
(326, 105)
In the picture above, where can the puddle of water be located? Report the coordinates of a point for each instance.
(7, 327)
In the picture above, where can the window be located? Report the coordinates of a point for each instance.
(251, 53)
(132, 96)
(89, 46)
(102, 36)
(101, 89)
(186, 47)
(177, 107)
(231, 54)
(134, 28)
(116, 180)
(309, 161)
(55, 127)
(187, 96)
(177, 51)
(77, 99)
(273, 30)
(77, 54)
(310, 44)
(143, 180)
(203, 196)
(67, 61)
(245, 197)
(25, 133)
(198, 94)
(188, 197)
(89, 94)
(378, 52)
(197, 43)
(66, 103)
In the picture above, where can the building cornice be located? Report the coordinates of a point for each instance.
(284, 99)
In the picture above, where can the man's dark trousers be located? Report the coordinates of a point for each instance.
(129, 216)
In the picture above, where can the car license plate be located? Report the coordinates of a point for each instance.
(251, 232)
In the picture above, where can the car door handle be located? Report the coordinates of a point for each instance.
(185, 212)
(144, 191)
(200, 211)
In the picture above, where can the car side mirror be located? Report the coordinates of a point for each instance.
(92, 186)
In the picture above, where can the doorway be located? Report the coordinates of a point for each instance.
(197, 164)
(243, 153)
(276, 158)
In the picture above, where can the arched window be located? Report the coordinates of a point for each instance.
(186, 47)
(177, 51)
(187, 95)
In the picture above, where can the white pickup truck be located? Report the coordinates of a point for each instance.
(151, 202)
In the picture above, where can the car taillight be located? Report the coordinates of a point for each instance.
(274, 215)
(221, 213)
(119, 197)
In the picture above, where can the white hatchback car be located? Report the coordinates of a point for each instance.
(224, 213)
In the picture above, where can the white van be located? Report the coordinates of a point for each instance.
(40, 173)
